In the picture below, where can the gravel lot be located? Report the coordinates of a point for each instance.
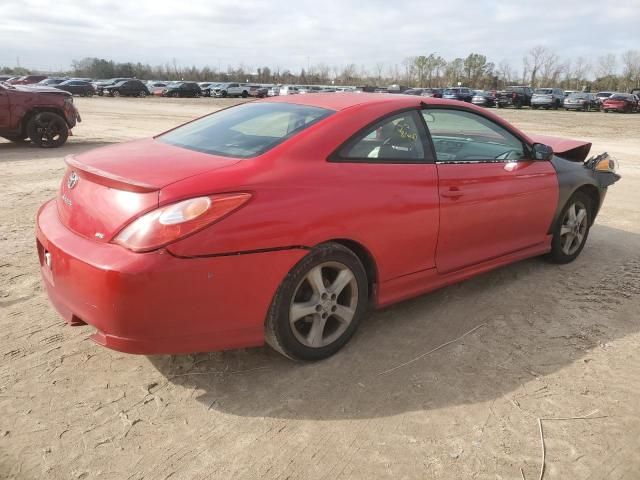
(558, 341)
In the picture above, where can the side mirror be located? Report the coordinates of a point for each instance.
(542, 151)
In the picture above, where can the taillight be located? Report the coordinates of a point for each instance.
(172, 222)
(513, 95)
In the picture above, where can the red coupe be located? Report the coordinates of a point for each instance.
(285, 219)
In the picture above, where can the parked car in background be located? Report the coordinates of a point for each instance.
(289, 90)
(515, 96)
(484, 98)
(635, 91)
(433, 92)
(207, 88)
(182, 89)
(238, 90)
(582, 101)
(156, 88)
(620, 102)
(27, 79)
(127, 88)
(100, 85)
(4, 78)
(193, 247)
(258, 91)
(462, 94)
(602, 96)
(569, 92)
(45, 115)
(425, 92)
(547, 98)
(77, 87)
(50, 82)
(274, 91)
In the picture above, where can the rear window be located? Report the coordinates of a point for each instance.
(544, 91)
(246, 130)
(619, 96)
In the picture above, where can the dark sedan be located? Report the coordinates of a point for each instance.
(127, 88)
(582, 101)
(463, 94)
(76, 87)
(182, 89)
(484, 98)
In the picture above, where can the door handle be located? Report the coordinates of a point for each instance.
(453, 192)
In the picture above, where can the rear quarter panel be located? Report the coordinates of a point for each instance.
(301, 199)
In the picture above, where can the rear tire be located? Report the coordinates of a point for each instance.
(319, 304)
(572, 229)
(48, 130)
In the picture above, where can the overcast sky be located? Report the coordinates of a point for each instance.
(293, 33)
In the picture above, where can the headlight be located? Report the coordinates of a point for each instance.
(607, 165)
(603, 163)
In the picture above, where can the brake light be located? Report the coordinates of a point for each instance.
(513, 95)
(172, 222)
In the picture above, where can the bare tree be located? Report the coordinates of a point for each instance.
(580, 71)
(607, 65)
(631, 65)
(538, 57)
(420, 65)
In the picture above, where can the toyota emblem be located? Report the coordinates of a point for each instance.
(72, 181)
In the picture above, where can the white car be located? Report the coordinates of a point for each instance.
(289, 90)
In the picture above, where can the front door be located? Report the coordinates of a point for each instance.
(494, 200)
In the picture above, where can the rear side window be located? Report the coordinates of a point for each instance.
(246, 130)
(396, 139)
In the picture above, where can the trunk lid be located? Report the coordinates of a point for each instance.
(104, 189)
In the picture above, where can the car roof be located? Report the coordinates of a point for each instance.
(341, 101)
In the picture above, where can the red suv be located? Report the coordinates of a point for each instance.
(28, 79)
(44, 115)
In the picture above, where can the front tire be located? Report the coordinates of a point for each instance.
(319, 304)
(48, 130)
(572, 229)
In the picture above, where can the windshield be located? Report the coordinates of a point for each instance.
(618, 96)
(544, 91)
(451, 91)
(245, 130)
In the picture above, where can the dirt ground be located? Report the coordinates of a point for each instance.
(556, 342)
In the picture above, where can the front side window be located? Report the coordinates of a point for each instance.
(394, 139)
(246, 130)
(460, 136)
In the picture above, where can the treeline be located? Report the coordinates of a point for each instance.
(540, 67)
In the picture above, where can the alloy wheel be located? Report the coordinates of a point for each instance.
(574, 228)
(324, 304)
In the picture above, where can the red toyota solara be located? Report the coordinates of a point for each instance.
(285, 219)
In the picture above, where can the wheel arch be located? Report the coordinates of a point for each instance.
(368, 261)
(594, 195)
(36, 110)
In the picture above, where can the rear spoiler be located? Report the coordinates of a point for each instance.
(108, 179)
(574, 150)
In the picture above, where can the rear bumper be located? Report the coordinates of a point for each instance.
(543, 104)
(155, 303)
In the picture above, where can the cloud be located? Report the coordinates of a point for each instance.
(292, 34)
